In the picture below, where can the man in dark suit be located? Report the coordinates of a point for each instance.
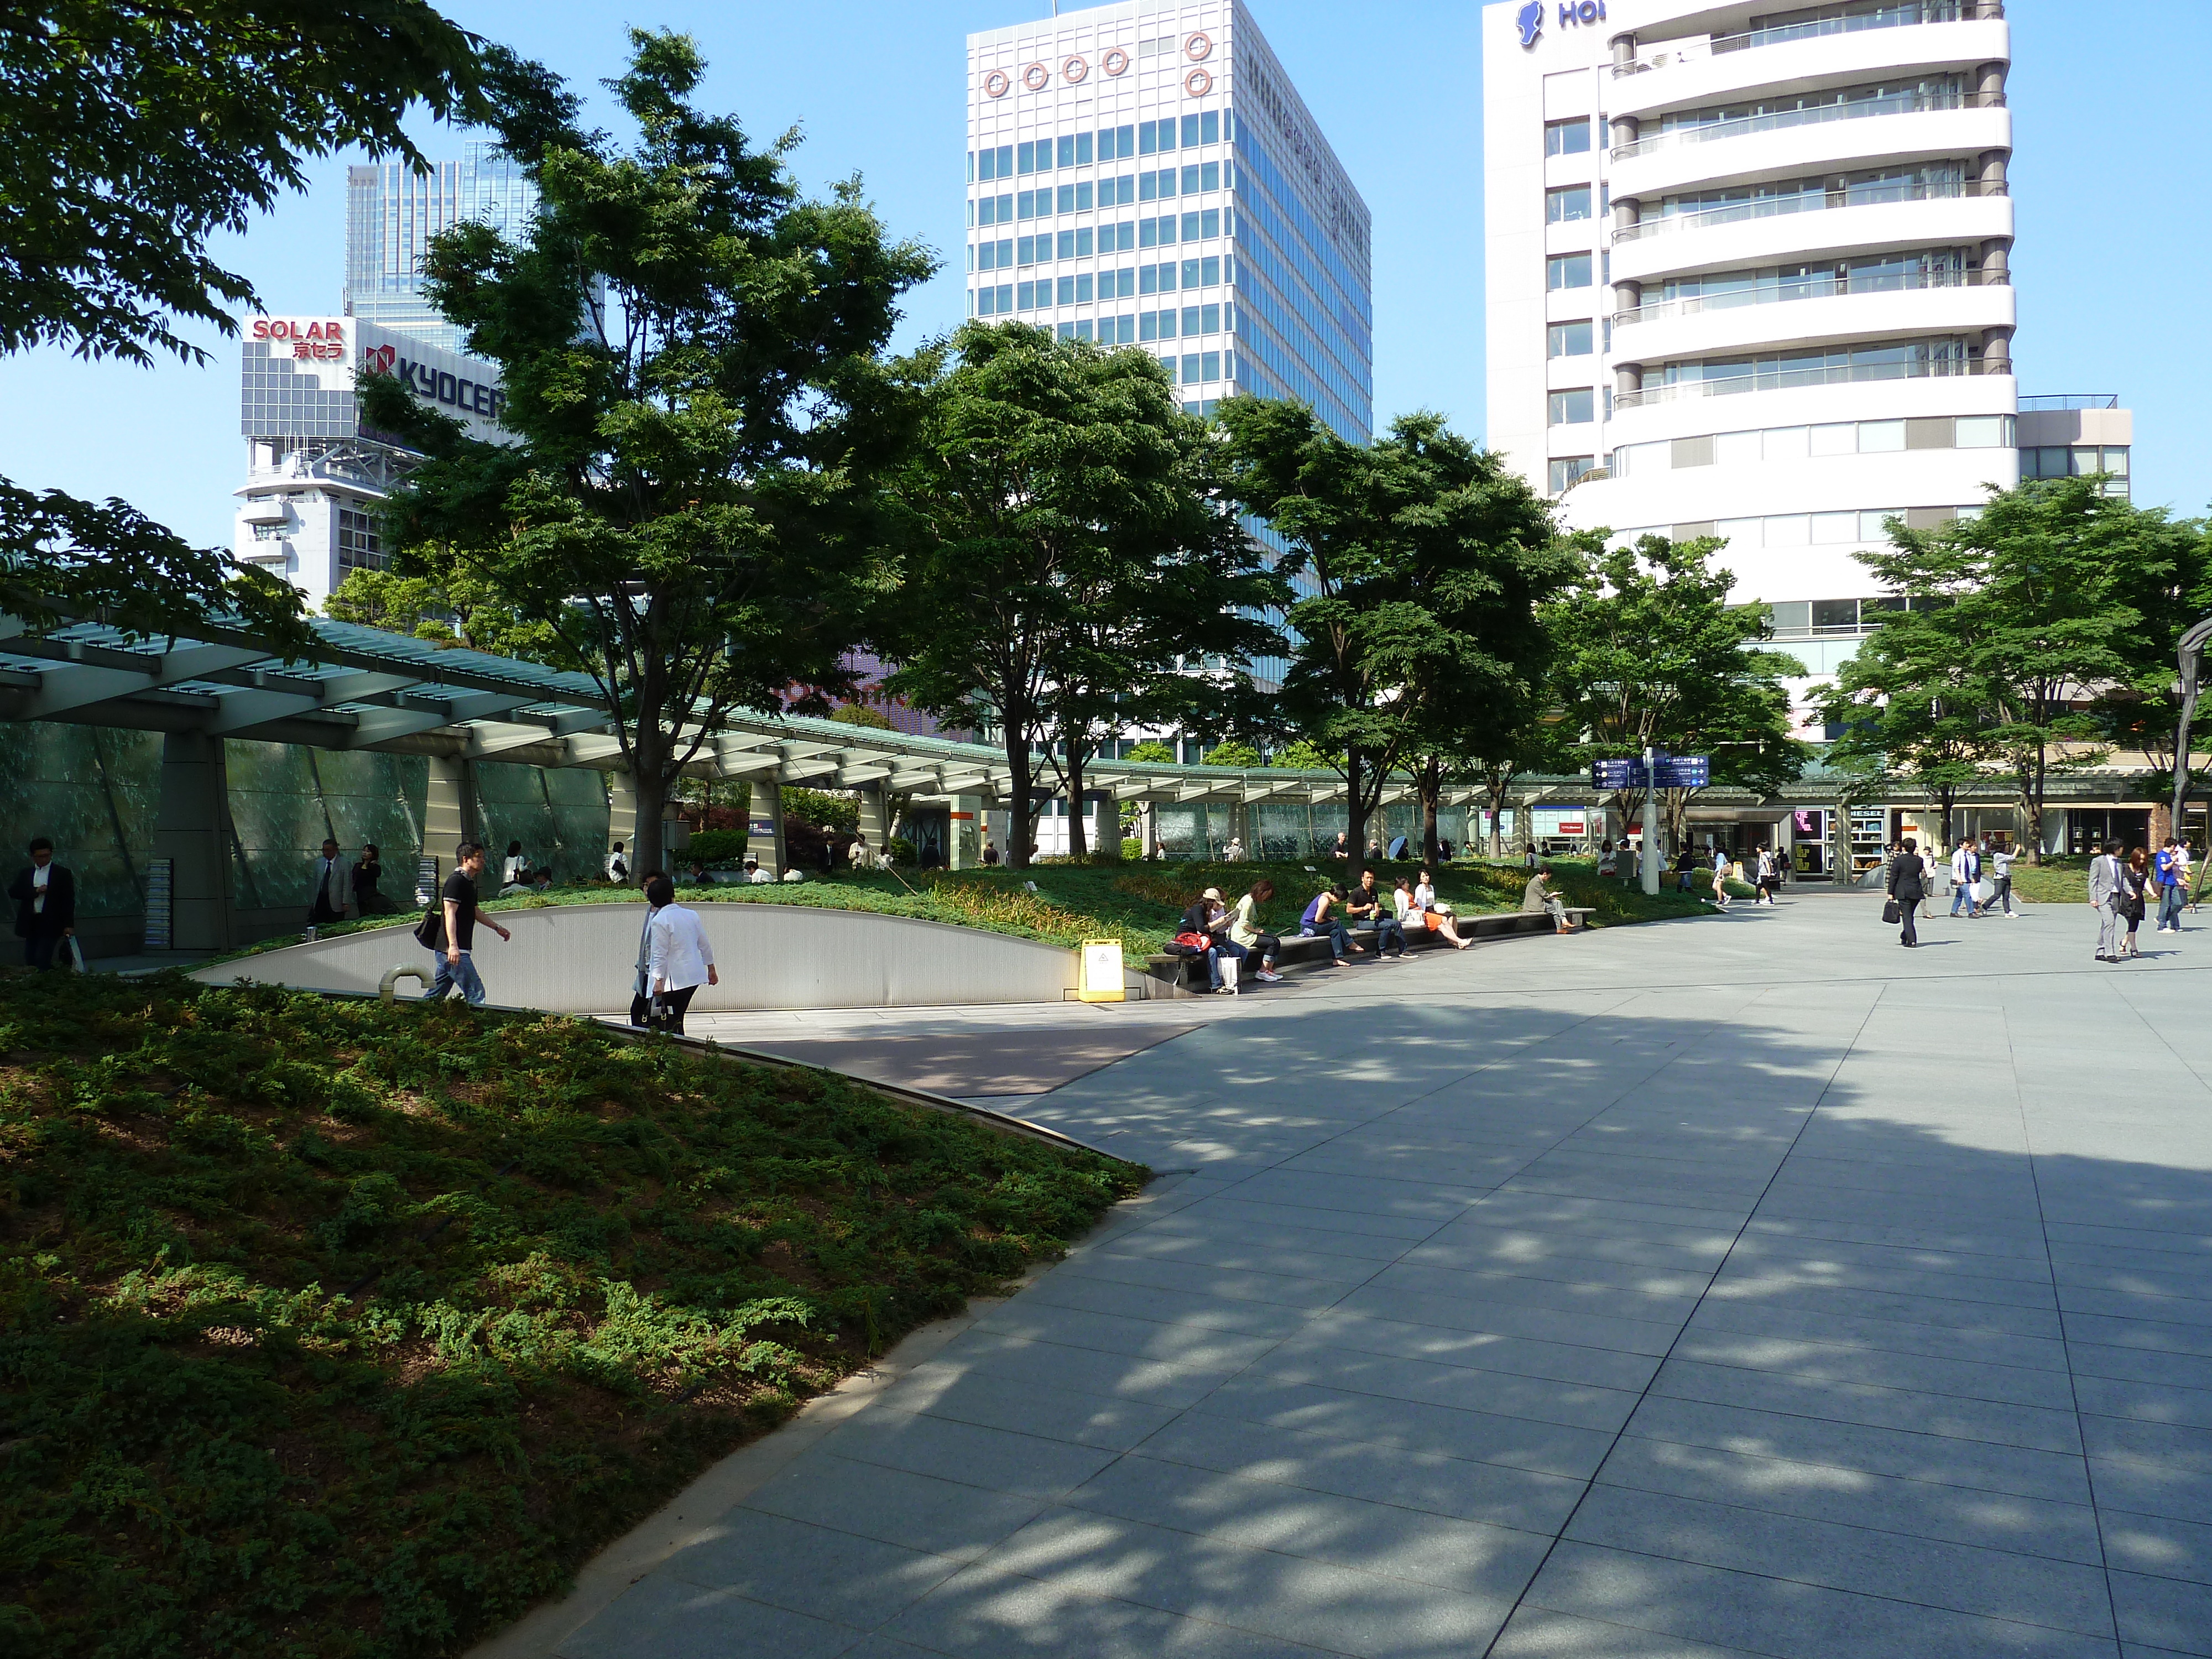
(45, 905)
(1906, 887)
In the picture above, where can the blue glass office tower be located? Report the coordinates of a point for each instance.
(392, 212)
(1146, 174)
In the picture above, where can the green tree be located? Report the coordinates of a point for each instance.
(1425, 559)
(1233, 752)
(1068, 556)
(2052, 599)
(463, 609)
(692, 506)
(860, 713)
(1650, 653)
(1913, 714)
(137, 130)
(1301, 755)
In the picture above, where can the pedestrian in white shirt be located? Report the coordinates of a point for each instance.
(679, 959)
(618, 867)
(1966, 870)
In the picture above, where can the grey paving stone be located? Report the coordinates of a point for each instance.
(1889, 1504)
(1540, 1633)
(1890, 1335)
(1438, 1483)
(1475, 1558)
(987, 1612)
(1198, 1279)
(1288, 1597)
(1245, 1203)
(2142, 1488)
(2164, 1612)
(1639, 1336)
(1030, 1407)
(838, 1577)
(662, 1617)
(1467, 1389)
(2149, 1402)
(1543, 1286)
(1845, 1301)
(1831, 1362)
(2152, 1336)
(1087, 1370)
(1176, 1342)
(1344, 1329)
(2157, 1545)
(2168, 1445)
(1089, 1294)
(918, 1512)
(996, 1460)
(1976, 1464)
(1278, 1255)
(1996, 1583)
(1522, 1442)
(1777, 1617)
(1961, 1417)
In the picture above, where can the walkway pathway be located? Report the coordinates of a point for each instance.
(1744, 1286)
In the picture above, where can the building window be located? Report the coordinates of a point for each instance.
(1572, 408)
(1154, 135)
(990, 301)
(1035, 203)
(1200, 273)
(1565, 469)
(1156, 279)
(1037, 157)
(1076, 198)
(1201, 319)
(270, 533)
(1207, 175)
(1201, 129)
(1150, 186)
(1114, 142)
(1566, 204)
(991, 256)
(1567, 340)
(1075, 149)
(358, 546)
(1567, 137)
(1076, 244)
(1567, 270)
(1200, 367)
(1157, 324)
(995, 163)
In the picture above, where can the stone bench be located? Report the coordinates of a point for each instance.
(1182, 976)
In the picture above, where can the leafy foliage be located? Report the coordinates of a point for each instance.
(2037, 628)
(859, 714)
(138, 129)
(1425, 559)
(337, 1328)
(1069, 555)
(692, 508)
(457, 608)
(1235, 753)
(1651, 653)
(62, 559)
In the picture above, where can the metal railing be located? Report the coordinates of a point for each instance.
(1809, 288)
(1900, 103)
(1897, 16)
(2046, 402)
(1776, 380)
(1768, 207)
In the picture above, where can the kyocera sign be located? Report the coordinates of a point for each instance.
(1530, 18)
(456, 391)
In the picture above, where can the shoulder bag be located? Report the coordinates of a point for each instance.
(430, 932)
(644, 1006)
(1891, 914)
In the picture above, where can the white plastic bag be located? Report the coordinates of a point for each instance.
(1984, 891)
(1230, 967)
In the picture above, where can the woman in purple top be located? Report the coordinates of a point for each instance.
(1319, 917)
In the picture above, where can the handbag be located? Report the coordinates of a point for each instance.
(430, 932)
(1891, 914)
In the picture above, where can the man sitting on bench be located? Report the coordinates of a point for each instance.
(1539, 895)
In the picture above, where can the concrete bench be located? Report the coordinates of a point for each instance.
(1181, 975)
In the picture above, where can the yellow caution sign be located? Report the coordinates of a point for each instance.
(1101, 970)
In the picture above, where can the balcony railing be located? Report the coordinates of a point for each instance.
(1880, 17)
(2046, 401)
(1809, 288)
(1900, 103)
(1768, 207)
(1777, 380)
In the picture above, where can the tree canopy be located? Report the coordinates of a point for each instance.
(1650, 653)
(1420, 561)
(1070, 561)
(693, 507)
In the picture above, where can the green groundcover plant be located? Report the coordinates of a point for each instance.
(329, 1328)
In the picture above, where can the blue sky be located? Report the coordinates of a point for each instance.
(2111, 262)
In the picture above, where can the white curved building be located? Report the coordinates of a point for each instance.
(1748, 274)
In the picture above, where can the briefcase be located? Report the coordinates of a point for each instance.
(1891, 914)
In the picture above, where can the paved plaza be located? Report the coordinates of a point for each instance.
(1739, 1285)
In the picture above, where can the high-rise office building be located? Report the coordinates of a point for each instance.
(392, 211)
(1146, 174)
(1749, 273)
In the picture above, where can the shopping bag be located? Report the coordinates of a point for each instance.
(75, 959)
(1229, 969)
(1984, 891)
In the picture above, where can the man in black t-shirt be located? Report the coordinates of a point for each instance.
(455, 966)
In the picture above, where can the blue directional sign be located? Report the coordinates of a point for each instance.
(1686, 772)
(1617, 774)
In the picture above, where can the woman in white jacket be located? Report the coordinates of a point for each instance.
(679, 959)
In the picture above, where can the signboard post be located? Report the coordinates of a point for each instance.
(1101, 971)
(1655, 850)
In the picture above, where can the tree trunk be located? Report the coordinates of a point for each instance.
(1355, 833)
(1494, 787)
(1431, 779)
(1079, 843)
(1018, 792)
(649, 790)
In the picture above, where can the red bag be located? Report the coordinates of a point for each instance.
(1193, 943)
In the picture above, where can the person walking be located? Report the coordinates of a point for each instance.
(679, 959)
(2172, 881)
(1965, 871)
(2000, 867)
(457, 967)
(2104, 899)
(1906, 875)
(1769, 870)
(45, 905)
(368, 899)
(332, 886)
(1244, 928)
(618, 867)
(2134, 891)
(1720, 879)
